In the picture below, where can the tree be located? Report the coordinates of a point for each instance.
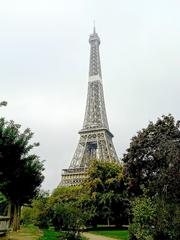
(152, 164)
(66, 212)
(144, 214)
(38, 212)
(154, 219)
(20, 171)
(152, 161)
(65, 194)
(108, 191)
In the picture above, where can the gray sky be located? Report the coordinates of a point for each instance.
(44, 58)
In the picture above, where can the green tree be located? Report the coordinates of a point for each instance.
(152, 164)
(38, 212)
(65, 208)
(108, 191)
(66, 212)
(144, 214)
(153, 159)
(67, 216)
(65, 194)
(20, 171)
(154, 219)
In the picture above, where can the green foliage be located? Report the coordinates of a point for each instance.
(144, 213)
(40, 210)
(21, 173)
(26, 215)
(65, 194)
(38, 213)
(107, 192)
(66, 210)
(2, 198)
(153, 160)
(3, 203)
(155, 219)
(153, 171)
(50, 234)
(68, 217)
(72, 236)
(62, 210)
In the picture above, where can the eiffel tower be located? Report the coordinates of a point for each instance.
(95, 137)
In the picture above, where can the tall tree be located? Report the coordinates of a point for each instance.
(152, 161)
(66, 210)
(108, 191)
(152, 164)
(20, 171)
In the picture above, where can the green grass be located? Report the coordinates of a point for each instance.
(111, 232)
(31, 229)
(50, 234)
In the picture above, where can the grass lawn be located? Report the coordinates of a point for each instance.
(111, 232)
(50, 234)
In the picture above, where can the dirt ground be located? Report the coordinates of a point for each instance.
(96, 237)
(23, 234)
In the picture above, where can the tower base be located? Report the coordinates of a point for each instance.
(73, 176)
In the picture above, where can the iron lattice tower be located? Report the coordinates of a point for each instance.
(95, 138)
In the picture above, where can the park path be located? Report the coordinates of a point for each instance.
(91, 236)
(24, 234)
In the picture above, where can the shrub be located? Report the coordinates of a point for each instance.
(154, 219)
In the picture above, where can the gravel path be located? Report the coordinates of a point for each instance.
(91, 236)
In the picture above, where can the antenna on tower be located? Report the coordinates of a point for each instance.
(94, 26)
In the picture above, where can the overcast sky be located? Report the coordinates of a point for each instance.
(44, 59)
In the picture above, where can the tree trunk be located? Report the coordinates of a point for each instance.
(9, 210)
(15, 218)
(108, 221)
(19, 217)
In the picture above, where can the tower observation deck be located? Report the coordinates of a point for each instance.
(95, 137)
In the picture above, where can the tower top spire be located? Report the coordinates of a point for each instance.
(94, 27)
(94, 36)
(94, 65)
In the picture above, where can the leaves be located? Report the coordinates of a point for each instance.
(107, 190)
(20, 172)
(154, 153)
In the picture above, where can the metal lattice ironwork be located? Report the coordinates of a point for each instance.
(95, 138)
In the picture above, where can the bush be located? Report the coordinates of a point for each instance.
(66, 216)
(154, 219)
(26, 215)
(38, 213)
(144, 212)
